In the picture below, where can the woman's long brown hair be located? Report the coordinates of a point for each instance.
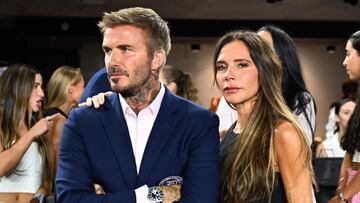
(248, 172)
(17, 83)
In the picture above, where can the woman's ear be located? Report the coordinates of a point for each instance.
(158, 59)
(70, 90)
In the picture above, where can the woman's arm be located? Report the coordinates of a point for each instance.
(320, 151)
(10, 157)
(346, 163)
(290, 156)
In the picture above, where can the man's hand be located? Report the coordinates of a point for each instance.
(171, 193)
(97, 100)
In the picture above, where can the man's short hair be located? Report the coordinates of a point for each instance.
(143, 18)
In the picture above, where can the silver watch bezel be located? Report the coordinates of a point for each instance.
(155, 194)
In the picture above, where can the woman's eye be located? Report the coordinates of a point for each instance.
(243, 65)
(220, 67)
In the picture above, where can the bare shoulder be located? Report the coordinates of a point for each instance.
(286, 133)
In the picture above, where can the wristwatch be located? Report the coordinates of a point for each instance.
(341, 196)
(155, 194)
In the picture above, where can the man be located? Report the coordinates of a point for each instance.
(142, 135)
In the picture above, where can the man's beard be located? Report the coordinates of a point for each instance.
(134, 87)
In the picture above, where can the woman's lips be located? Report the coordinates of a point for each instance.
(230, 90)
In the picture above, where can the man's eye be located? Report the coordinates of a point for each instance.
(107, 50)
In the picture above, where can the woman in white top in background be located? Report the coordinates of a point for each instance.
(349, 180)
(331, 146)
(24, 164)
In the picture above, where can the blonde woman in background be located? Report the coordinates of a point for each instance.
(64, 90)
(24, 161)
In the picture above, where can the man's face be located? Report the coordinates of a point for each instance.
(126, 59)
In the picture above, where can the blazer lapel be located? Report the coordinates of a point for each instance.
(158, 137)
(117, 132)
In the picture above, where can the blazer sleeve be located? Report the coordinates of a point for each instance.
(201, 177)
(74, 180)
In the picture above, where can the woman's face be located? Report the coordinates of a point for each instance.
(77, 90)
(352, 62)
(345, 113)
(37, 94)
(236, 73)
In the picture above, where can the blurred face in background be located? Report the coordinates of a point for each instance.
(37, 94)
(352, 62)
(267, 37)
(345, 113)
(76, 90)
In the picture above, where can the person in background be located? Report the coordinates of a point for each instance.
(349, 89)
(293, 87)
(330, 147)
(214, 103)
(178, 82)
(227, 116)
(24, 160)
(144, 137)
(248, 74)
(98, 83)
(64, 90)
(349, 179)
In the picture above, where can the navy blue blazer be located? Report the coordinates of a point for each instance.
(99, 82)
(95, 147)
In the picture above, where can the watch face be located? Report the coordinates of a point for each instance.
(155, 194)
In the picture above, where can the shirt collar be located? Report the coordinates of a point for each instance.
(154, 107)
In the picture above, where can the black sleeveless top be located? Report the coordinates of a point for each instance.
(278, 195)
(55, 110)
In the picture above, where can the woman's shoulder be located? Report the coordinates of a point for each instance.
(285, 133)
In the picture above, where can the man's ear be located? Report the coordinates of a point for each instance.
(159, 59)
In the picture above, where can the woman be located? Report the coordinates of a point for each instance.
(349, 179)
(331, 146)
(24, 162)
(265, 155)
(293, 87)
(64, 89)
(178, 82)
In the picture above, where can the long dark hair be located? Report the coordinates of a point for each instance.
(248, 171)
(292, 85)
(351, 141)
(17, 83)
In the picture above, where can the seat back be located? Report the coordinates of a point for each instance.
(327, 170)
